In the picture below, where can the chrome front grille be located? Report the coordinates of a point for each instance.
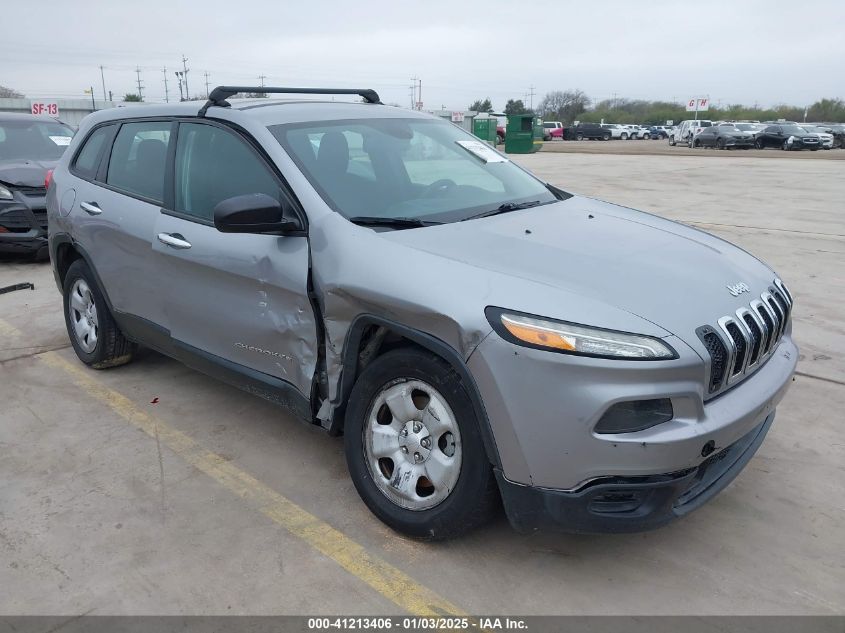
(743, 341)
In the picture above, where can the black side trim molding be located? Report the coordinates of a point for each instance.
(427, 341)
(270, 388)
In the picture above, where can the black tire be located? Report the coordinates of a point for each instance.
(474, 497)
(579, 137)
(785, 146)
(647, 136)
(624, 136)
(606, 136)
(720, 143)
(758, 144)
(672, 141)
(112, 348)
(499, 139)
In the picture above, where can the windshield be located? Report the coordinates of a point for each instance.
(792, 129)
(33, 140)
(406, 168)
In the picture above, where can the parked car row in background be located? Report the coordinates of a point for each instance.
(785, 135)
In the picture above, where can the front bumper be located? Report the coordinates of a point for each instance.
(629, 504)
(542, 408)
(23, 224)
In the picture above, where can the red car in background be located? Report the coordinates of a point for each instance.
(552, 130)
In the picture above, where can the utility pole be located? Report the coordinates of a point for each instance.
(413, 89)
(140, 93)
(531, 94)
(103, 77)
(166, 94)
(206, 84)
(615, 104)
(185, 75)
(178, 74)
(416, 93)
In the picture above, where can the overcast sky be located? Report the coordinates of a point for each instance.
(764, 51)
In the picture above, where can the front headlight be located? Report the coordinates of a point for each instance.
(5, 194)
(570, 338)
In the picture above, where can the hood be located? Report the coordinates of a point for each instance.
(25, 173)
(670, 274)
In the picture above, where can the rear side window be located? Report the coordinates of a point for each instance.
(213, 164)
(138, 159)
(88, 158)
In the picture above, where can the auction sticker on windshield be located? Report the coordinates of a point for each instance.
(61, 140)
(482, 151)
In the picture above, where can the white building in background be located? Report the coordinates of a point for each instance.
(71, 111)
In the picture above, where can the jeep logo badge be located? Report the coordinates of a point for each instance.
(738, 289)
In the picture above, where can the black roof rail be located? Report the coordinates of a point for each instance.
(219, 95)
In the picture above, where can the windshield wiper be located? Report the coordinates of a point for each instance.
(505, 208)
(396, 223)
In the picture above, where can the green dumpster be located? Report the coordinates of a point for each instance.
(524, 134)
(484, 127)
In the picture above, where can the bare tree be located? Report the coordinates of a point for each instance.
(564, 105)
(8, 93)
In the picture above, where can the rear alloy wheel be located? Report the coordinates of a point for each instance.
(93, 333)
(414, 449)
(785, 146)
(624, 136)
(720, 143)
(672, 141)
(646, 136)
(606, 136)
(579, 137)
(758, 144)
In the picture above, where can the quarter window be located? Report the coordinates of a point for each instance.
(213, 164)
(138, 159)
(88, 158)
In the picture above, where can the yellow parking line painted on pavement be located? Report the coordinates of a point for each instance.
(389, 581)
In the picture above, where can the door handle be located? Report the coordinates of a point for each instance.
(91, 208)
(174, 240)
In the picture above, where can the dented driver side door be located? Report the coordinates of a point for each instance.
(237, 299)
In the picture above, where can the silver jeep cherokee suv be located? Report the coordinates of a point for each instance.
(475, 334)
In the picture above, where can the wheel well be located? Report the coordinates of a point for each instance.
(371, 337)
(66, 254)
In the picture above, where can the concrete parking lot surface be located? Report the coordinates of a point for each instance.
(151, 488)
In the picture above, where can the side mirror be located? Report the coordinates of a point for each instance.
(255, 213)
